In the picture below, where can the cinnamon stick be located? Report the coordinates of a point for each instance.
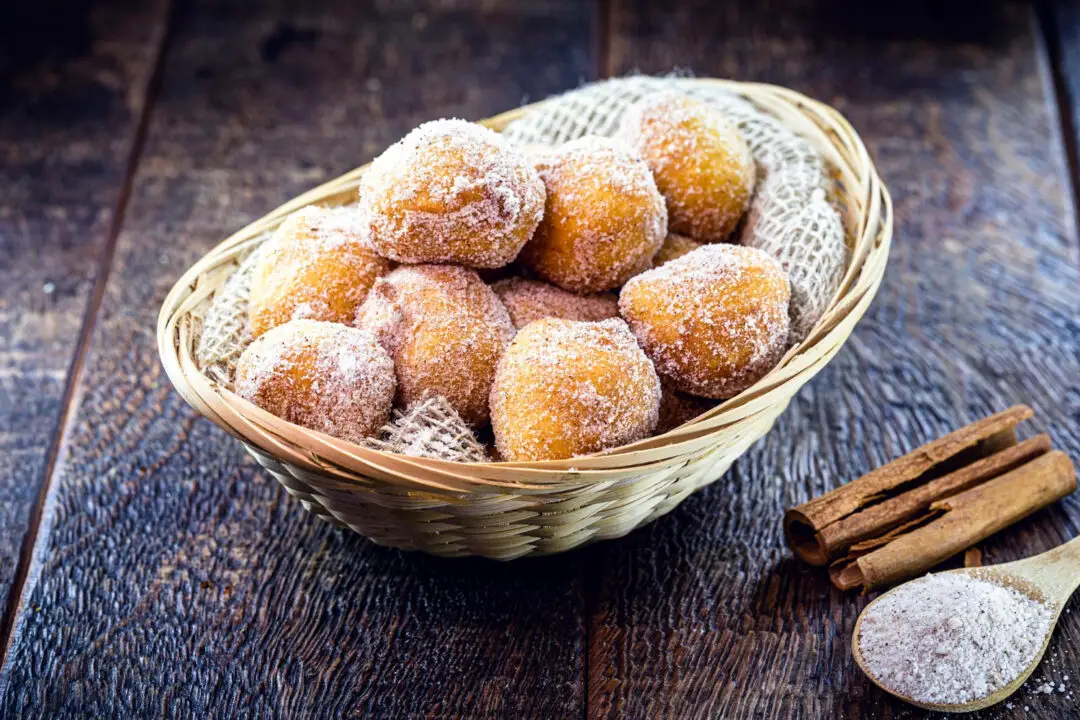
(806, 526)
(972, 557)
(968, 518)
(907, 516)
(887, 514)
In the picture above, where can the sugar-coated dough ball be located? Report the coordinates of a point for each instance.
(451, 191)
(325, 376)
(316, 266)
(567, 388)
(714, 321)
(678, 408)
(701, 163)
(603, 218)
(674, 247)
(445, 330)
(529, 300)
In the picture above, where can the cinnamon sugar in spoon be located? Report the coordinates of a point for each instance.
(959, 644)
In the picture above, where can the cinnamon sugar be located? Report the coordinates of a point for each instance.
(677, 408)
(701, 162)
(529, 300)
(714, 321)
(604, 217)
(446, 331)
(951, 637)
(567, 388)
(315, 266)
(451, 191)
(324, 376)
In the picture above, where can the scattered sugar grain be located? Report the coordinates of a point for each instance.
(951, 637)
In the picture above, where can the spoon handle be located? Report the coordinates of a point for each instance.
(1056, 572)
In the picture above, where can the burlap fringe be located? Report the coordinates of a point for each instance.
(431, 429)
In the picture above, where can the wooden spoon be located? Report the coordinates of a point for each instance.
(1048, 578)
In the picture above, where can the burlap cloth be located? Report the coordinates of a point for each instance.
(790, 217)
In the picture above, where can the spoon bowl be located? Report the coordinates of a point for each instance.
(1049, 578)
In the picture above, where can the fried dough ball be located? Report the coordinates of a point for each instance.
(701, 163)
(529, 300)
(316, 267)
(325, 376)
(445, 330)
(674, 247)
(567, 388)
(603, 218)
(714, 321)
(451, 191)
(678, 408)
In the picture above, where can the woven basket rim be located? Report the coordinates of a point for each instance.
(867, 210)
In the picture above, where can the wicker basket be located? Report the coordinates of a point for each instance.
(508, 510)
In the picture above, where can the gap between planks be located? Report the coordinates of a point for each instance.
(1049, 40)
(23, 584)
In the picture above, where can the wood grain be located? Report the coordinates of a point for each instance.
(1059, 22)
(705, 613)
(177, 579)
(73, 83)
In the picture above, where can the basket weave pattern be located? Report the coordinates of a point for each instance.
(508, 510)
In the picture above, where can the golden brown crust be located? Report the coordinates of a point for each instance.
(701, 163)
(714, 321)
(325, 376)
(445, 330)
(316, 266)
(603, 219)
(451, 192)
(567, 388)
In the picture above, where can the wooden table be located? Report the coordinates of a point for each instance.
(148, 568)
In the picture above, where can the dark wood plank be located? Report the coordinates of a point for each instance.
(705, 613)
(176, 578)
(1059, 22)
(73, 83)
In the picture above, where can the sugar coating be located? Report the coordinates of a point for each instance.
(529, 300)
(451, 191)
(951, 637)
(674, 247)
(566, 388)
(702, 165)
(315, 266)
(678, 408)
(604, 216)
(445, 330)
(325, 376)
(714, 321)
